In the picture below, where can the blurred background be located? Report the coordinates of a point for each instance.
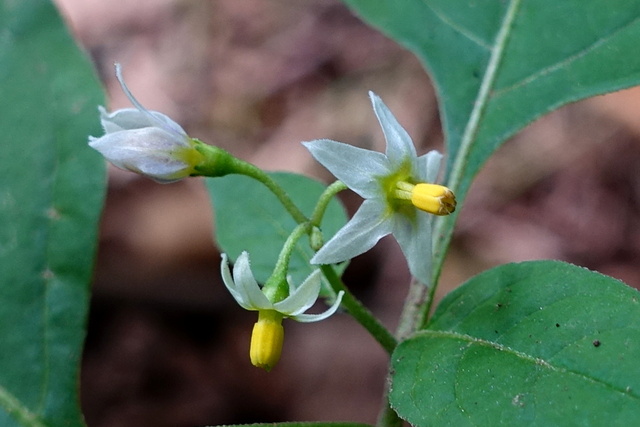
(167, 345)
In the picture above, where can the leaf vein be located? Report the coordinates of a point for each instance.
(18, 411)
(558, 65)
(457, 28)
(443, 228)
(535, 360)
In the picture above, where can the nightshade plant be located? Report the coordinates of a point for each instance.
(535, 343)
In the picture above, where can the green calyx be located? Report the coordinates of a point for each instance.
(214, 161)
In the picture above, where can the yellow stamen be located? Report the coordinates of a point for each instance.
(267, 339)
(432, 198)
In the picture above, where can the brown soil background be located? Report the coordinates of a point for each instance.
(167, 346)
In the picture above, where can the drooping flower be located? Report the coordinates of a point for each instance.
(399, 191)
(268, 335)
(146, 142)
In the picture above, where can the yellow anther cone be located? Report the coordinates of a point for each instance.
(266, 340)
(433, 198)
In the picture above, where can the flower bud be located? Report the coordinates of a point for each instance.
(146, 142)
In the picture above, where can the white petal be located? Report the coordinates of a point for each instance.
(124, 119)
(246, 284)
(150, 151)
(399, 144)
(131, 118)
(306, 318)
(158, 118)
(429, 166)
(360, 234)
(238, 294)
(414, 237)
(303, 297)
(356, 167)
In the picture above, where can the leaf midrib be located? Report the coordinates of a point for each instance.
(524, 356)
(444, 227)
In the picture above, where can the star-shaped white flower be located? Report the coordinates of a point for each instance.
(267, 336)
(146, 142)
(245, 290)
(398, 190)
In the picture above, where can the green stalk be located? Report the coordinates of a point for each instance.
(246, 168)
(323, 202)
(218, 162)
(359, 311)
(276, 287)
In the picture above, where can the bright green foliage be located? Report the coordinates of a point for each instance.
(51, 192)
(499, 65)
(303, 424)
(538, 344)
(249, 218)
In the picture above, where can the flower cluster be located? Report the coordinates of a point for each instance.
(398, 188)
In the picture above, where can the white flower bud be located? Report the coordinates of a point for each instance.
(146, 142)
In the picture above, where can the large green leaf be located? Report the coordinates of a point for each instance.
(538, 344)
(498, 65)
(250, 218)
(302, 424)
(51, 192)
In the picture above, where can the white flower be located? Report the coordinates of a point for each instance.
(146, 142)
(246, 291)
(267, 336)
(398, 189)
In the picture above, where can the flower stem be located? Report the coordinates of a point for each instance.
(252, 171)
(360, 312)
(323, 202)
(276, 287)
(218, 162)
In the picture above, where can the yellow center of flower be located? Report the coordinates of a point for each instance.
(189, 155)
(267, 339)
(432, 198)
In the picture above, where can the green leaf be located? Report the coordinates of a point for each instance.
(302, 424)
(249, 218)
(538, 344)
(51, 193)
(499, 65)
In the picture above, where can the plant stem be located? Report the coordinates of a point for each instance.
(246, 168)
(412, 316)
(323, 202)
(359, 311)
(276, 287)
(349, 301)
